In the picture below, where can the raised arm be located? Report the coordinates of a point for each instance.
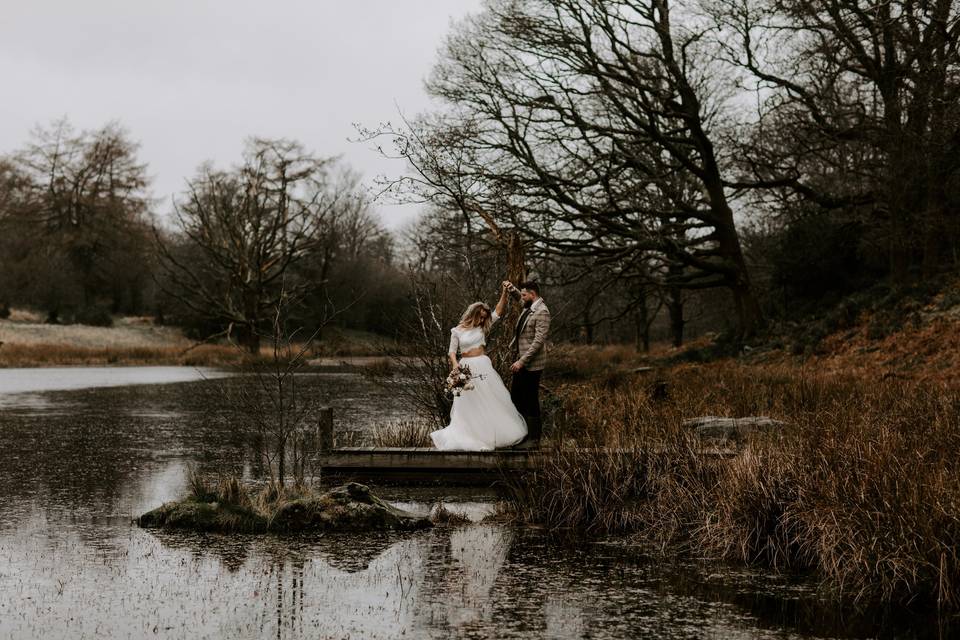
(454, 347)
(502, 302)
(510, 289)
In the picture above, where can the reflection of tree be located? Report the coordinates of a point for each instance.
(85, 450)
(365, 585)
(346, 553)
(283, 604)
(231, 550)
(361, 585)
(69, 471)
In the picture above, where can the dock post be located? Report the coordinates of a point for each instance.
(325, 429)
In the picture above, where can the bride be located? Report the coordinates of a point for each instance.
(482, 418)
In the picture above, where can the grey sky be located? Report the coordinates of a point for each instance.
(190, 79)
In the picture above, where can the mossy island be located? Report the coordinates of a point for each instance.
(230, 509)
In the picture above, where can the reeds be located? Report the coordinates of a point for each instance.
(862, 487)
(224, 489)
(403, 433)
(440, 514)
(204, 355)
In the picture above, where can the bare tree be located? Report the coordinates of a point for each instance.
(346, 245)
(247, 227)
(79, 207)
(588, 127)
(870, 95)
(281, 418)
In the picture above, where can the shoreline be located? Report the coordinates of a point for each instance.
(139, 342)
(111, 358)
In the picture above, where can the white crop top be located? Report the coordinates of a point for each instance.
(466, 339)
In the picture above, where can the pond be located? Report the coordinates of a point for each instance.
(82, 457)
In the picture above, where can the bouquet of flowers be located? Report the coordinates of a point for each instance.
(459, 381)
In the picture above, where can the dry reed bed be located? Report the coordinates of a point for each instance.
(48, 355)
(863, 488)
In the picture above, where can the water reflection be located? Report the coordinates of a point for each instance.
(480, 580)
(77, 465)
(477, 580)
(34, 380)
(81, 451)
(477, 555)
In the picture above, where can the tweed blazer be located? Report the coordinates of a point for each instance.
(532, 345)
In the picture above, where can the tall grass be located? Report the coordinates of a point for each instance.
(863, 487)
(403, 433)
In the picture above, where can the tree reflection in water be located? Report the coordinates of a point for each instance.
(75, 468)
(364, 585)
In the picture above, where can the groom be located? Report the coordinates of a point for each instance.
(530, 344)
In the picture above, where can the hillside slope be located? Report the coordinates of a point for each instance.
(913, 336)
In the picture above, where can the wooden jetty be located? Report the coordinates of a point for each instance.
(418, 465)
(424, 465)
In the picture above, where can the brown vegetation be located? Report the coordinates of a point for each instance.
(440, 514)
(227, 506)
(42, 355)
(403, 433)
(927, 351)
(26, 342)
(862, 488)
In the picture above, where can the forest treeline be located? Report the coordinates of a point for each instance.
(662, 163)
(81, 238)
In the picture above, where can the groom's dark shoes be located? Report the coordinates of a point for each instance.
(532, 439)
(534, 426)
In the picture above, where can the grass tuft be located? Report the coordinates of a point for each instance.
(403, 433)
(442, 515)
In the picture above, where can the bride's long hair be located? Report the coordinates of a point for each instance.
(472, 317)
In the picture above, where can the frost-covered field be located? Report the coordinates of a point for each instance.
(127, 333)
(25, 341)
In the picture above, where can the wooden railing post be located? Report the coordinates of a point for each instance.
(325, 429)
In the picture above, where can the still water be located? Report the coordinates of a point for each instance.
(78, 461)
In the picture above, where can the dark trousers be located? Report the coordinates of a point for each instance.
(525, 393)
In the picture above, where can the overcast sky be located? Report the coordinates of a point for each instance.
(191, 79)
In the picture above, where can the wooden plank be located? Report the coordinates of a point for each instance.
(412, 464)
(414, 458)
(429, 456)
(426, 465)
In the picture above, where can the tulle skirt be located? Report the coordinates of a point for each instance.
(483, 418)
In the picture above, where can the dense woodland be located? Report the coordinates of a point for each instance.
(668, 168)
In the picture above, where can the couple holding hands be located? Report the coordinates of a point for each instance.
(487, 416)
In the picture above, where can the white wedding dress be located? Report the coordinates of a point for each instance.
(483, 418)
